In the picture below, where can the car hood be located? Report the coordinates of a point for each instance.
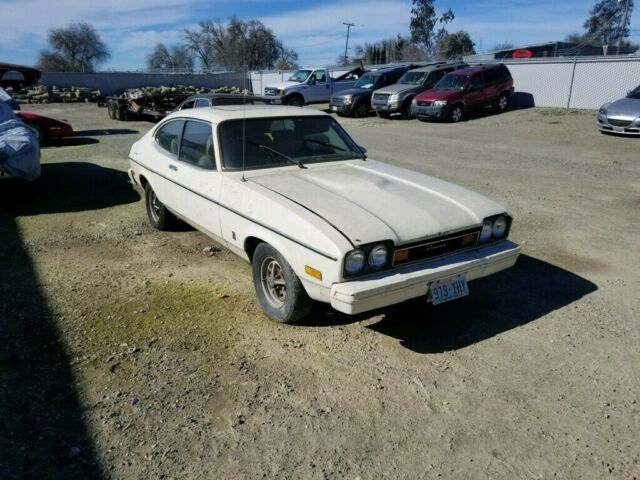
(284, 85)
(438, 95)
(372, 201)
(624, 106)
(397, 88)
(356, 92)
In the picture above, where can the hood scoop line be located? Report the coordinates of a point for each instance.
(309, 210)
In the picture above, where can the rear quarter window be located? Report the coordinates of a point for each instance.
(168, 136)
(196, 146)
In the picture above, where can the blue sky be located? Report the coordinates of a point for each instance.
(131, 28)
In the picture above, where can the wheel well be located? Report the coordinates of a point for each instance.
(458, 104)
(505, 92)
(250, 245)
(295, 95)
(143, 181)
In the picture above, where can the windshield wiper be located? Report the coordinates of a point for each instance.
(272, 150)
(326, 144)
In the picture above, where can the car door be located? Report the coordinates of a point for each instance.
(320, 91)
(474, 92)
(164, 154)
(491, 85)
(196, 178)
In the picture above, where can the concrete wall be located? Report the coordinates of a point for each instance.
(586, 83)
(109, 82)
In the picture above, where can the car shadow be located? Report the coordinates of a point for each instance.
(68, 142)
(67, 187)
(504, 301)
(104, 132)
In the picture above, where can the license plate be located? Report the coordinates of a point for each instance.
(449, 289)
(334, 109)
(618, 129)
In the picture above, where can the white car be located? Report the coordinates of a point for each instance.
(289, 191)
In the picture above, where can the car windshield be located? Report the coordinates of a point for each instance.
(413, 78)
(367, 82)
(276, 142)
(300, 76)
(635, 94)
(452, 82)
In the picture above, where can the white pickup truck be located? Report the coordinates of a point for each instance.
(311, 85)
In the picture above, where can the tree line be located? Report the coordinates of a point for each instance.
(249, 45)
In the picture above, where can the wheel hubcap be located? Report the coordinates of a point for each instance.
(155, 206)
(457, 114)
(273, 282)
(503, 103)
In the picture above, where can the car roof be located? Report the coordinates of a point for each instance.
(238, 112)
(438, 66)
(224, 95)
(476, 69)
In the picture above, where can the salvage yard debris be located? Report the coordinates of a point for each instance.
(53, 94)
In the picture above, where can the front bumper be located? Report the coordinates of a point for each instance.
(339, 107)
(431, 112)
(413, 281)
(623, 126)
(394, 107)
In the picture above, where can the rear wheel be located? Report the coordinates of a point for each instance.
(278, 288)
(503, 102)
(159, 217)
(455, 114)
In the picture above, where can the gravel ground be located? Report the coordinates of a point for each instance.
(135, 354)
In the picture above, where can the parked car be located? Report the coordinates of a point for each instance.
(621, 116)
(356, 101)
(397, 98)
(217, 99)
(464, 90)
(290, 192)
(311, 85)
(46, 128)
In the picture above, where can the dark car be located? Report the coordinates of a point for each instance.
(464, 90)
(45, 128)
(356, 101)
(397, 98)
(217, 99)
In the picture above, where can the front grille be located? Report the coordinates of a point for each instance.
(337, 101)
(436, 247)
(619, 123)
(270, 91)
(381, 97)
(424, 103)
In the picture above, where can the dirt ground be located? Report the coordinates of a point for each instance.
(129, 353)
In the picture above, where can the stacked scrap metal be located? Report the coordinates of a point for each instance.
(52, 94)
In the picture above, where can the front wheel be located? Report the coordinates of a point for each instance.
(279, 290)
(360, 110)
(295, 101)
(455, 115)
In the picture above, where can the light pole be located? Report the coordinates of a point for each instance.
(346, 47)
(624, 24)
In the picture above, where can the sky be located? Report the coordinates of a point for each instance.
(132, 28)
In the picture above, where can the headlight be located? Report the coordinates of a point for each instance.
(280, 93)
(487, 230)
(440, 103)
(603, 108)
(414, 101)
(499, 227)
(354, 262)
(378, 256)
(394, 98)
(348, 99)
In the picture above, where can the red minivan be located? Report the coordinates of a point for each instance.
(463, 90)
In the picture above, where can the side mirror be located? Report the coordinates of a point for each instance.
(362, 149)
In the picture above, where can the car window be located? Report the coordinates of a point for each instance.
(434, 77)
(202, 102)
(187, 105)
(504, 74)
(168, 136)
(196, 147)
(268, 140)
(320, 76)
(475, 82)
(491, 76)
(635, 93)
(452, 82)
(367, 81)
(413, 78)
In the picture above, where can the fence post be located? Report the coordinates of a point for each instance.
(573, 74)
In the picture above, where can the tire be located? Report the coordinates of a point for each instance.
(159, 217)
(455, 114)
(360, 110)
(502, 103)
(278, 288)
(111, 110)
(406, 111)
(295, 101)
(384, 115)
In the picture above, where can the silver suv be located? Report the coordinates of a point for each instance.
(397, 98)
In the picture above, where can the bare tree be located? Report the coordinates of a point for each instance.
(76, 48)
(199, 42)
(177, 58)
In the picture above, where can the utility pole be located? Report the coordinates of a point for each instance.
(624, 24)
(346, 47)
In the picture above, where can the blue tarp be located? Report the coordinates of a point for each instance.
(19, 147)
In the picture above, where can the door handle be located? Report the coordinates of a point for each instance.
(173, 167)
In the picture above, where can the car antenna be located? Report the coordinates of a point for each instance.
(244, 117)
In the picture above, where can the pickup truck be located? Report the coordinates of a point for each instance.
(311, 85)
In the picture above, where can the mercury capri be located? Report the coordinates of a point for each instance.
(289, 191)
